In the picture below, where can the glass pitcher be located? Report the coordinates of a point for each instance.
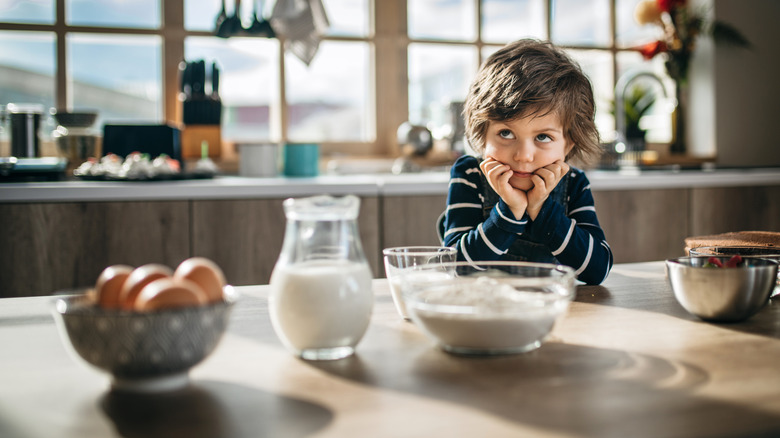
(321, 298)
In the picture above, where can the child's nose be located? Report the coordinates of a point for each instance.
(524, 152)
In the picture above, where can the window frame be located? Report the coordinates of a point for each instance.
(387, 38)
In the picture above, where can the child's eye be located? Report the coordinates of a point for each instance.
(505, 133)
(544, 138)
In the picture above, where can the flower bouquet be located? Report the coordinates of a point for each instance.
(680, 28)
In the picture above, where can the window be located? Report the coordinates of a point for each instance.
(382, 62)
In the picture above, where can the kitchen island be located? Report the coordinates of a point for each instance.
(62, 234)
(626, 361)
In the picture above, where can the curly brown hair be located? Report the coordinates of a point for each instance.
(531, 77)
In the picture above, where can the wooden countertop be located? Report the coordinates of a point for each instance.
(423, 183)
(626, 361)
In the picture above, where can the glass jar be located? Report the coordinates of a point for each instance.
(321, 297)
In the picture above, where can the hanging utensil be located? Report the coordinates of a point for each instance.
(219, 27)
(260, 27)
(233, 23)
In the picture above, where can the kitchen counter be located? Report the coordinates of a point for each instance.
(423, 183)
(626, 361)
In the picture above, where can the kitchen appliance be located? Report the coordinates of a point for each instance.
(25, 121)
(154, 140)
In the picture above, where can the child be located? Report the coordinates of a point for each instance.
(529, 110)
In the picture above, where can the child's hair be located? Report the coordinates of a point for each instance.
(530, 77)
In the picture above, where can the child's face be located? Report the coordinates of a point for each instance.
(526, 145)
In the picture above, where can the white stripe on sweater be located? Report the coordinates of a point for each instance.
(463, 205)
(586, 208)
(488, 242)
(457, 230)
(463, 181)
(466, 254)
(509, 220)
(463, 249)
(587, 258)
(566, 240)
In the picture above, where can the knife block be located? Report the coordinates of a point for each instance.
(192, 136)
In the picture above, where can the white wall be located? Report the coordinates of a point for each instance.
(746, 87)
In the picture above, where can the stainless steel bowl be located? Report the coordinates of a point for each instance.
(721, 294)
(763, 252)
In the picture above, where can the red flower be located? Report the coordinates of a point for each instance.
(649, 50)
(669, 5)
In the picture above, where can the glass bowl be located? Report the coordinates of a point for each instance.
(488, 308)
(399, 261)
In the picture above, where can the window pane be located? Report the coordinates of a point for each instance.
(658, 121)
(581, 22)
(248, 83)
(114, 13)
(27, 11)
(438, 75)
(509, 20)
(202, 14)
(489, 50)
(347, 17)
(330, 100)
(27, 65)
(442, 19)
(597, 65)
(629, 32)
(117, 75)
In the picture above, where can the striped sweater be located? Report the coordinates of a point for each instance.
(566, 228)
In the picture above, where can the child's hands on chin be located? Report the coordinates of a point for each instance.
(498, 174)
(545, 179)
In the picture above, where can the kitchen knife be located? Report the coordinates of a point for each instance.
(214, 81)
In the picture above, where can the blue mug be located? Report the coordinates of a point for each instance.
(301, 159)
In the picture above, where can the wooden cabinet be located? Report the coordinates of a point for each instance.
(411, 220)
(49, 247)
(245, 237)
(724, 209)
(644, 225)
(52, 246)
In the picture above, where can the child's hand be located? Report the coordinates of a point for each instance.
(498, 175)
(545, 180)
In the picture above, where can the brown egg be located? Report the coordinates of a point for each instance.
(169, 293)
(205, 274)
(109, 286)
(140, 277)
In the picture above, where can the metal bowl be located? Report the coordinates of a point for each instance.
(763, 252)
(721, 294)
(488, 308)
(69, 119)
(143, 351)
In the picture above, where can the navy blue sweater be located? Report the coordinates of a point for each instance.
(566, 230)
